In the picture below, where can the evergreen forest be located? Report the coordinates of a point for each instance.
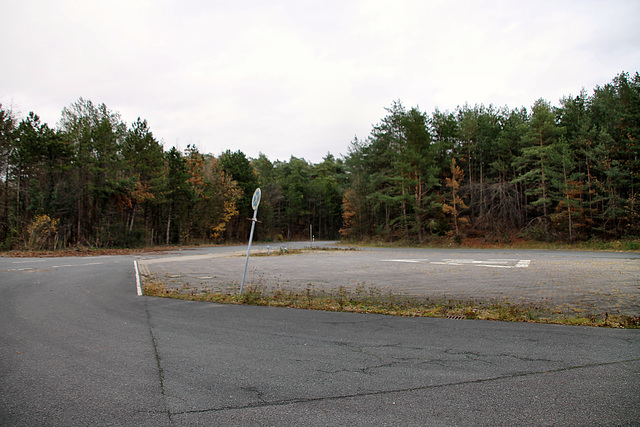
(555, 173)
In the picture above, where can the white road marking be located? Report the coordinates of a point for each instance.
(54, 266)
(191, 257)
(24, 262)
(77, 265)
(138, 286)
(491, 263)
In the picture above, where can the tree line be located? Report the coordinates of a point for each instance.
(553, 173)
(569, 172)
(94, 181)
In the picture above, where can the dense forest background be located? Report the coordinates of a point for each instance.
(567, 173)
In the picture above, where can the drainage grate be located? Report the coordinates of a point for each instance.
(452, 316)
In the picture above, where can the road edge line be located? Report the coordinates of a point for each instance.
(138, 287)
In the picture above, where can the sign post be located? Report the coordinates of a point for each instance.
(255, 202)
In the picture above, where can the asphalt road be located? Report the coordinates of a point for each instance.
(79, 347)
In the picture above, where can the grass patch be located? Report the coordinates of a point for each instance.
(372, 300)
(283, 250)
(445, 242)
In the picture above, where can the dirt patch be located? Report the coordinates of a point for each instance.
(82, 252)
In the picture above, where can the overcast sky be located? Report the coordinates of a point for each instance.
(302, 78)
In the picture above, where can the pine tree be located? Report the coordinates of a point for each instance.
(533, 164)
(454, 205)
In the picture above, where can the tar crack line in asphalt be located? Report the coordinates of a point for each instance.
(158, 360)
(285, 402)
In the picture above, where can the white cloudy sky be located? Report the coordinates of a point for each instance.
(302, 78)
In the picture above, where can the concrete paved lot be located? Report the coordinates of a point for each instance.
(79, 347)
(579, 281)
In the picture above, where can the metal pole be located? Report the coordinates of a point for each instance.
(246, 263)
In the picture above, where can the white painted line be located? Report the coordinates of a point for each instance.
(192, 257)
(405, 260)
(491, 263)
(138, 287)
(77, 265)
(498, 266)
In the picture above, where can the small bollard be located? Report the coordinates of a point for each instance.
(268, 250)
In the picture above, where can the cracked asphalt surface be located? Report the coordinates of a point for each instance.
(79, 347)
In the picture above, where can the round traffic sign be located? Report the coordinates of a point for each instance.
(255, 201)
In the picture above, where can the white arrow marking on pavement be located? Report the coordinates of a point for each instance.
(492, 263)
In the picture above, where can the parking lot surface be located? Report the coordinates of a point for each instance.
(579, 281)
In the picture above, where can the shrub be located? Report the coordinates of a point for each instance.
(42, 233)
